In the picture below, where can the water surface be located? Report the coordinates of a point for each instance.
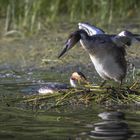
(70, 122)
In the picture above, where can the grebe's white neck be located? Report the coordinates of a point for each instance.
(73, 83)
(77, 78)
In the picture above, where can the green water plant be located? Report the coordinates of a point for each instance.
(33, 15)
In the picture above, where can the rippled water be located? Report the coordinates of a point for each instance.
(71, 122)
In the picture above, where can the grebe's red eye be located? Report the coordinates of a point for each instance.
(73, 78)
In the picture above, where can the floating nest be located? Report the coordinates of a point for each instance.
(86, 95)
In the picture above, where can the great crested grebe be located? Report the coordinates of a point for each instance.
(124, 38)
(108, 59)
(77, 79)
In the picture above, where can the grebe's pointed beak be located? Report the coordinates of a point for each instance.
(66, 48)
(72, 40)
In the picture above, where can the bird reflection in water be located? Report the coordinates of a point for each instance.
(113, 127)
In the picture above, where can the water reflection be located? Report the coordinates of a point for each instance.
(113, 127)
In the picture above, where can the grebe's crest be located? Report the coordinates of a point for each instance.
(78, 76)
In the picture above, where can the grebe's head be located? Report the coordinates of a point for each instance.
(77, 79)
(72, 40)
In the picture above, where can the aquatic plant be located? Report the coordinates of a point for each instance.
(33, 15)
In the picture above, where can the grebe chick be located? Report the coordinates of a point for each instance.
(76, 80)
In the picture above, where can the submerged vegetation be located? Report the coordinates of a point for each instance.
(34, 15)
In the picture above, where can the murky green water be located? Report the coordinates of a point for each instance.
(71, 122)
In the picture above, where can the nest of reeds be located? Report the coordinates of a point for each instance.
(86, 95)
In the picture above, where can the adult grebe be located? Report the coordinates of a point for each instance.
(108, 59)
(76, 79)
